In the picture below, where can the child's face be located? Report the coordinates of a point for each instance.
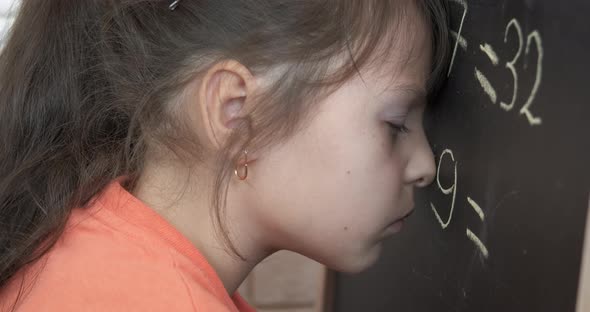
(332, 191)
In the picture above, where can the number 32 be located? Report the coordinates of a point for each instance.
(536, 37)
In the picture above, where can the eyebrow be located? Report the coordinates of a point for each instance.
(418, 95)
(413, 89)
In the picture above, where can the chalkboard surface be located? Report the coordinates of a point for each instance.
(502, 226)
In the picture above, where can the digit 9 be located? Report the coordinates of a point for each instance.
(449, 190)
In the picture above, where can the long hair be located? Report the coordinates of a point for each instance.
(87, 89)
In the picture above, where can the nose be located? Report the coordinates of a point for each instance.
(421, 169)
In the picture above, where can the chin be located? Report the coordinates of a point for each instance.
(357, 263)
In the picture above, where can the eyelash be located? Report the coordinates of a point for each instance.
(397, 129)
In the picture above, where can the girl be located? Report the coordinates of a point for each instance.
(153, 151)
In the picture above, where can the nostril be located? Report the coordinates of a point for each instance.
(428, 180)
(425, 180)
(421, 168)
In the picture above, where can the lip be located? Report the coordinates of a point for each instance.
(404, 217)
(398, 223)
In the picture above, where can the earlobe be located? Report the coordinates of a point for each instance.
(223, 95)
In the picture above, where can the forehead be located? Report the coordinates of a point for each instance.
(404, 56)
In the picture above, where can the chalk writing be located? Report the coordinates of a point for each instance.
(510, 65)
(478, 243)
(513, 27)
(453, 189)
(513, 30)
(482, 248)
(486, 85)
(459, 40)
(446, 191)
(488, 50)
(539, 44)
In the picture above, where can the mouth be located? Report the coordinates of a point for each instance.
(398, 223)
(405, 216)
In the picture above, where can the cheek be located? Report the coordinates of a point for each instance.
(330, 190)
(375, 177)
(347, 184)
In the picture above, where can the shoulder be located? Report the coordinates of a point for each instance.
(95, 281)
(103, 284)
(92, 268)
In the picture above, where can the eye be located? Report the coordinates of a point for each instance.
(396, 129)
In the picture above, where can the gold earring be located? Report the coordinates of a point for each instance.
(245, 165)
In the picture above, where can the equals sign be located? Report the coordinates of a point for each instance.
(483, 80)
(478, 243)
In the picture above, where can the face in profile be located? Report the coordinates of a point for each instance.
(335, 190)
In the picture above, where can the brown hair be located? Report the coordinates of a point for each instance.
(87, 90)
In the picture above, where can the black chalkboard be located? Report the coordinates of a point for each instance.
(514, 122)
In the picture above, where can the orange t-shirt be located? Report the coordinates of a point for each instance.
(120, 255)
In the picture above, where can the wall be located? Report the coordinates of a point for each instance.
(285, 282)
(6, 16)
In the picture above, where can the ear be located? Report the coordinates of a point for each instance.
(223, 93)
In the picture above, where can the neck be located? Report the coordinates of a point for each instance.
(177, 200)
